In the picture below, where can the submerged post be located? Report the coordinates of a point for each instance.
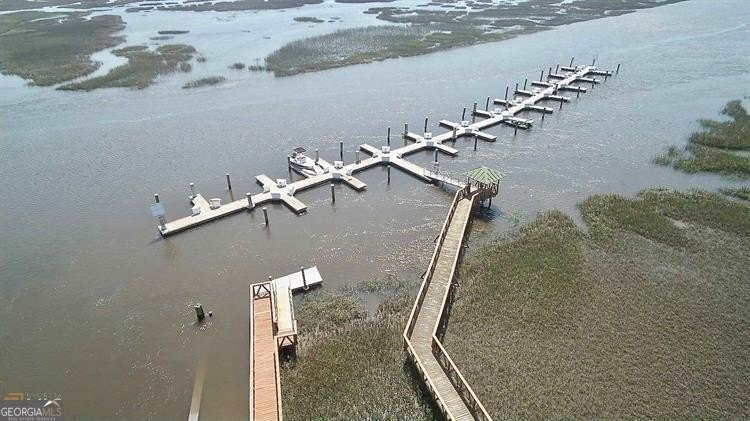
(578, 93)
(389, 137)
(557, 68)
(516, 91)
(199, 311)
(561, 103)
(549, 72)
(618, 68)
(543, 114)
(229, 181)
(156, 197)
(265, 215)
(333, 193)
(304, 279)
(571, 61)
(593, 62)
(515, 130)
(249, 200)
(475, 142)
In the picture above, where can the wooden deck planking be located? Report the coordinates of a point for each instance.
(266, 405)
(432, 308)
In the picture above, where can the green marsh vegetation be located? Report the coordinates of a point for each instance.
(206, 81)
(143, 67)
(351, 365)
(308, 19)
(717, 147)
(643, 315)
(49, 48)
(237, 66)
(740, 193)
(419, 30)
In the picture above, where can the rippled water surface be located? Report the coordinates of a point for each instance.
(96, 306)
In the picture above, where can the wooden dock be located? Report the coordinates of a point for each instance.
(443, 380)
(273, 327)
(265, 384)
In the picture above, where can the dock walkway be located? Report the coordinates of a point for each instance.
(265, 388)
(426, 323)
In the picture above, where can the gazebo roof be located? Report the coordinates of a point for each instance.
(485, 175)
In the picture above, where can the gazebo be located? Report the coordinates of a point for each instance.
(486, 180)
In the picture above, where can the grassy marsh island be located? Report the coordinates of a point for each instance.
(206, 81)
(142, 68)
(173, 32)
(49, 48)
(308, 19)
(437, 26)
(337, 336)
(645, 315)
(714, 148)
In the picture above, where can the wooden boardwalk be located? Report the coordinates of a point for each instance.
(442, 378)
(265, 390)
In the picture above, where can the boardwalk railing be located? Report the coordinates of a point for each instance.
(455, 377)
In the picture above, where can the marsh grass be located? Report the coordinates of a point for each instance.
(206, 81)
(740, 193)
(142, 68)
(422, 31)
(350, 365)
(237, 66)
(50, 48)
(552, 322)
(712, 148)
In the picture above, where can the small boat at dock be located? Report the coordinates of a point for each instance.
(303, 164)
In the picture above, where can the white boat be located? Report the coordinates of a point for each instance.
(303, 164)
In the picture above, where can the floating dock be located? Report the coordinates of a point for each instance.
(282, 191)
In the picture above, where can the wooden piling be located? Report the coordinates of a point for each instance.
(229, 181)
(333, 193)
(475, 142)
(487, 104)
(557, 68)
(389, 173)
(463, 115)
(406, 129)
(156, 197)
(525, 80)
(356, 156)
(341, 149)
(249, 200)
(192, 190)
(304, 279)
(455, 132)
(388, 138)
(542, 75)
(571, 61)
(618, 68)
(426, 119)
(317, 155)
(506, 92)
(515, 130)
(265, 215)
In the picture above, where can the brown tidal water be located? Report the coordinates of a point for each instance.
(96, 306)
